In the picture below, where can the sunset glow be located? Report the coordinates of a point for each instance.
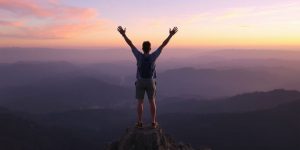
(202, 24)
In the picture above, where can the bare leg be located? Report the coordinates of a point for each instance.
(153, 110)
(140, 109)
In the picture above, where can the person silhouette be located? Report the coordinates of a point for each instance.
(146, 75)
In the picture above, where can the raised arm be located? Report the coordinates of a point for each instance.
(123, 33)
(166, 41)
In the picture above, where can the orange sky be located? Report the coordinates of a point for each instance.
(202, 24)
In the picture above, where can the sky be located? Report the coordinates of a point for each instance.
(215, 24)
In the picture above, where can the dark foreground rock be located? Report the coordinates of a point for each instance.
(147, 139)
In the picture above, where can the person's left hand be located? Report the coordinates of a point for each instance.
(121, 30)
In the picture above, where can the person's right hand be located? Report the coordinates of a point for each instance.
(173, 31)
(121, 30)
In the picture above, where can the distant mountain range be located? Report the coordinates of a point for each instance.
(214, 83)
(62, 94)
(212, 78)
(240, 103)
(24, 73)
(223, 82)
(61, 86)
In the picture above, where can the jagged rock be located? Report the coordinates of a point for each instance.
(147, 139)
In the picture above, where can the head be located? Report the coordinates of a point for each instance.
(146, 47)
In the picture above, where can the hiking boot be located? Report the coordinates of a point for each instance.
(139, 125)
(154, 125)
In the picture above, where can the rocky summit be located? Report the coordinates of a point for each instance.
(147, 139)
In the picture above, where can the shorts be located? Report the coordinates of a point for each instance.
(145, 85)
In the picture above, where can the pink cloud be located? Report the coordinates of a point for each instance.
(47, 20)
(23, 8)
(50, 9)
(61, 31)
(11, 23)
(54, 1)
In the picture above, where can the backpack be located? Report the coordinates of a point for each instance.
(146, 67)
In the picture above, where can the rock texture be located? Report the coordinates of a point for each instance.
(147, 139)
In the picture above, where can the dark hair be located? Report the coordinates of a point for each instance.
(146, 46)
